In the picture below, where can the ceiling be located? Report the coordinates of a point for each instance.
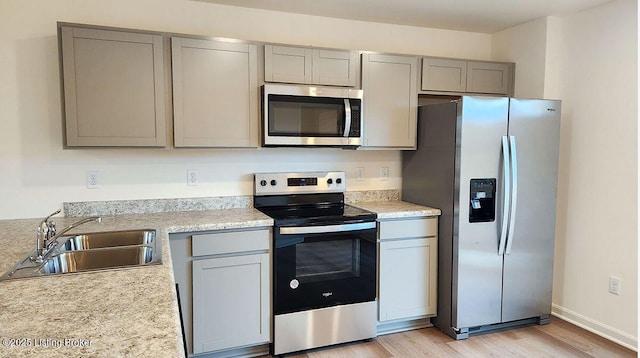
(486, 16)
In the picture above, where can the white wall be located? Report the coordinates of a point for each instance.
(589, 60)
(598, 168)
(37, 175)
(526, 46)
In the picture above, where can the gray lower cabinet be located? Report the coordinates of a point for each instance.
(215, 93)
(224, 281)
(389, 84)
(463, 76)
(303, 65)
(408, 269)
(114, 88)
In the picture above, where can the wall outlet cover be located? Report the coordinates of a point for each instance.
(93, 179)
(192, 177)
(384, 173)
(614, 285)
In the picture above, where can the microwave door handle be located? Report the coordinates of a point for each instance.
(347, 117)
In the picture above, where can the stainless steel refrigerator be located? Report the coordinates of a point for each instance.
(490, 164)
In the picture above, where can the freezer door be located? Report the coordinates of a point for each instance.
(534, 126)
(477, 267)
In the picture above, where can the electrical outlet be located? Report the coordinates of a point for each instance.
(359, 173)
(93, 179)
(384, 173)
(192, 177)
(614, 285)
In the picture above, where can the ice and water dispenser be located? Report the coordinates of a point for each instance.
(482, 200)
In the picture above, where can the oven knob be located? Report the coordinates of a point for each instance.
(329, 181)
(263, 182)
(339, 181)
(294, 284)
(273, 182)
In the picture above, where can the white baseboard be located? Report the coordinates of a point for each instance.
(601, 329)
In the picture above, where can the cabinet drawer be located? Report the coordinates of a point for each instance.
(423, 227)
(229, 242)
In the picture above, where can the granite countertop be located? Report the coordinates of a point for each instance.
(126, 312)
(397, 209)
(129, 312)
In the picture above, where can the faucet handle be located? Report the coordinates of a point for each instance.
(46, 220)
(51, 232)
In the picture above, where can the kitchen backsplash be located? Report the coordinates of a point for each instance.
(119, 207)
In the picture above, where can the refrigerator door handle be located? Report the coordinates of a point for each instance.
(506, 165)
(514, 195)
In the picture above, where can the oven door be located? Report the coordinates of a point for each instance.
(324, 266)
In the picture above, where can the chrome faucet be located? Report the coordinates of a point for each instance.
(47, 235)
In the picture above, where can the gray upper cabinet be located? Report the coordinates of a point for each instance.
(287, 64)
(489, 77)
(389, 85)
(331, 67)
(114, 92)
(215, 93)
(462, 76)
(303, 65)
(439, 74)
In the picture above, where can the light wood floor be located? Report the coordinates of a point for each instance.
(557, 339)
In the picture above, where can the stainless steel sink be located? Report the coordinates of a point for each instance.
(108, 239)
(88, 260)
(91, 252)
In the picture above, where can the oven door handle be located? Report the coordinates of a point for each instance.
(299, 230)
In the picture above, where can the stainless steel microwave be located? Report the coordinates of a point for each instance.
(311, 116)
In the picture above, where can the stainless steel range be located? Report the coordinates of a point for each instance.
(324, 261)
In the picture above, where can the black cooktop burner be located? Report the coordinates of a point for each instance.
(337, 213)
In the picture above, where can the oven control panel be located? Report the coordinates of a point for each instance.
(299, 183)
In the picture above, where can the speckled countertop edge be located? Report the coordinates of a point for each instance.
(396, 209)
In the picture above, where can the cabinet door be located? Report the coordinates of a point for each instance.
(408, 274)
(390, 91)
(488, 77)
(113, 88)
(231, 304)
(215, 93)
(336, 68)
(439, 74)
(287, 64)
